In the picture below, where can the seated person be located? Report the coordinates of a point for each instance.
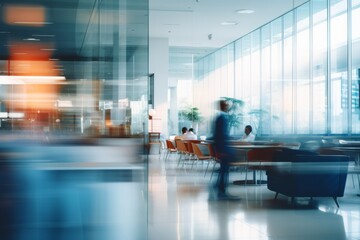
(248, 136)
(183, 131)
(190, 135)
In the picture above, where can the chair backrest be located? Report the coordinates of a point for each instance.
(189, 147)
(197, 150)
(212, 150)
(181, 146)
(261, 154)
(170, 145)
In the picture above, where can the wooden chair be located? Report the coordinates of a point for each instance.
(183, 150)
(171, 149)
(200, 156)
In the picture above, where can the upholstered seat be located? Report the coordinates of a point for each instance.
(309, 175)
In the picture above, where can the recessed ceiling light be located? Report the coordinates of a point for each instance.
(31, 39)
(229, 23)
(245, 11)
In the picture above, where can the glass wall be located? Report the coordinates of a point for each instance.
(298, 74)
(74, 104)
(115, 75)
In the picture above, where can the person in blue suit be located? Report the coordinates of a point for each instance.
(222, 148)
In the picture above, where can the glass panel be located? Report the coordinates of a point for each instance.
(302, 71)
(238, 70)
(254, 104)
(338, 68)
(288, 102)
(355, 80)
(319, 66)
(246, 67)
(265, 79)
(276, 75)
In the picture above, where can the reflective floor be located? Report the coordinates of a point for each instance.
(181, 207)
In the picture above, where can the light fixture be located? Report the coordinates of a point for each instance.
(32, 80)
(245, 11)
(229, 23)
(31, 39)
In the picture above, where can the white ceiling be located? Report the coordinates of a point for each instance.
(188, 23)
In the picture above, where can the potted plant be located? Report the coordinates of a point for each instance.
(235, 111)
(191, 114)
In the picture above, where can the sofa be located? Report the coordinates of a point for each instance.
(308, 174)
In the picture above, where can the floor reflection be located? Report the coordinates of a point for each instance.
(179, 208)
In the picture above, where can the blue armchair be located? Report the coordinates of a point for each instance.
(308, 175)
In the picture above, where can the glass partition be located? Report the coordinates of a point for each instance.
(74, 116)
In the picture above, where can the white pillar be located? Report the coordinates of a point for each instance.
(159, 65)
(173, 112)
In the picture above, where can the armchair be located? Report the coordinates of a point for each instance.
(309, 175)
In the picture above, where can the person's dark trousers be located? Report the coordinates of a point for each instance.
(223, 177)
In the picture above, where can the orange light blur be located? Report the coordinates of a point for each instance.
(28, 59)
(33, 16)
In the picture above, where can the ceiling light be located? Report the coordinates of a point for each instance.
(229, 23)
(245, 11)
(32, 80)
(31, 39)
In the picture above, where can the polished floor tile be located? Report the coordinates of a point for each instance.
(181, 206)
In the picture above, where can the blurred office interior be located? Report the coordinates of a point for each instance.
(84, 82)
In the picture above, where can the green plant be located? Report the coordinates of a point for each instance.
(191, 114)
(235, 111)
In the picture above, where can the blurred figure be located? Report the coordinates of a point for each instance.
(190, 135)
(248, 136)
(183, 131)
(223, 150)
